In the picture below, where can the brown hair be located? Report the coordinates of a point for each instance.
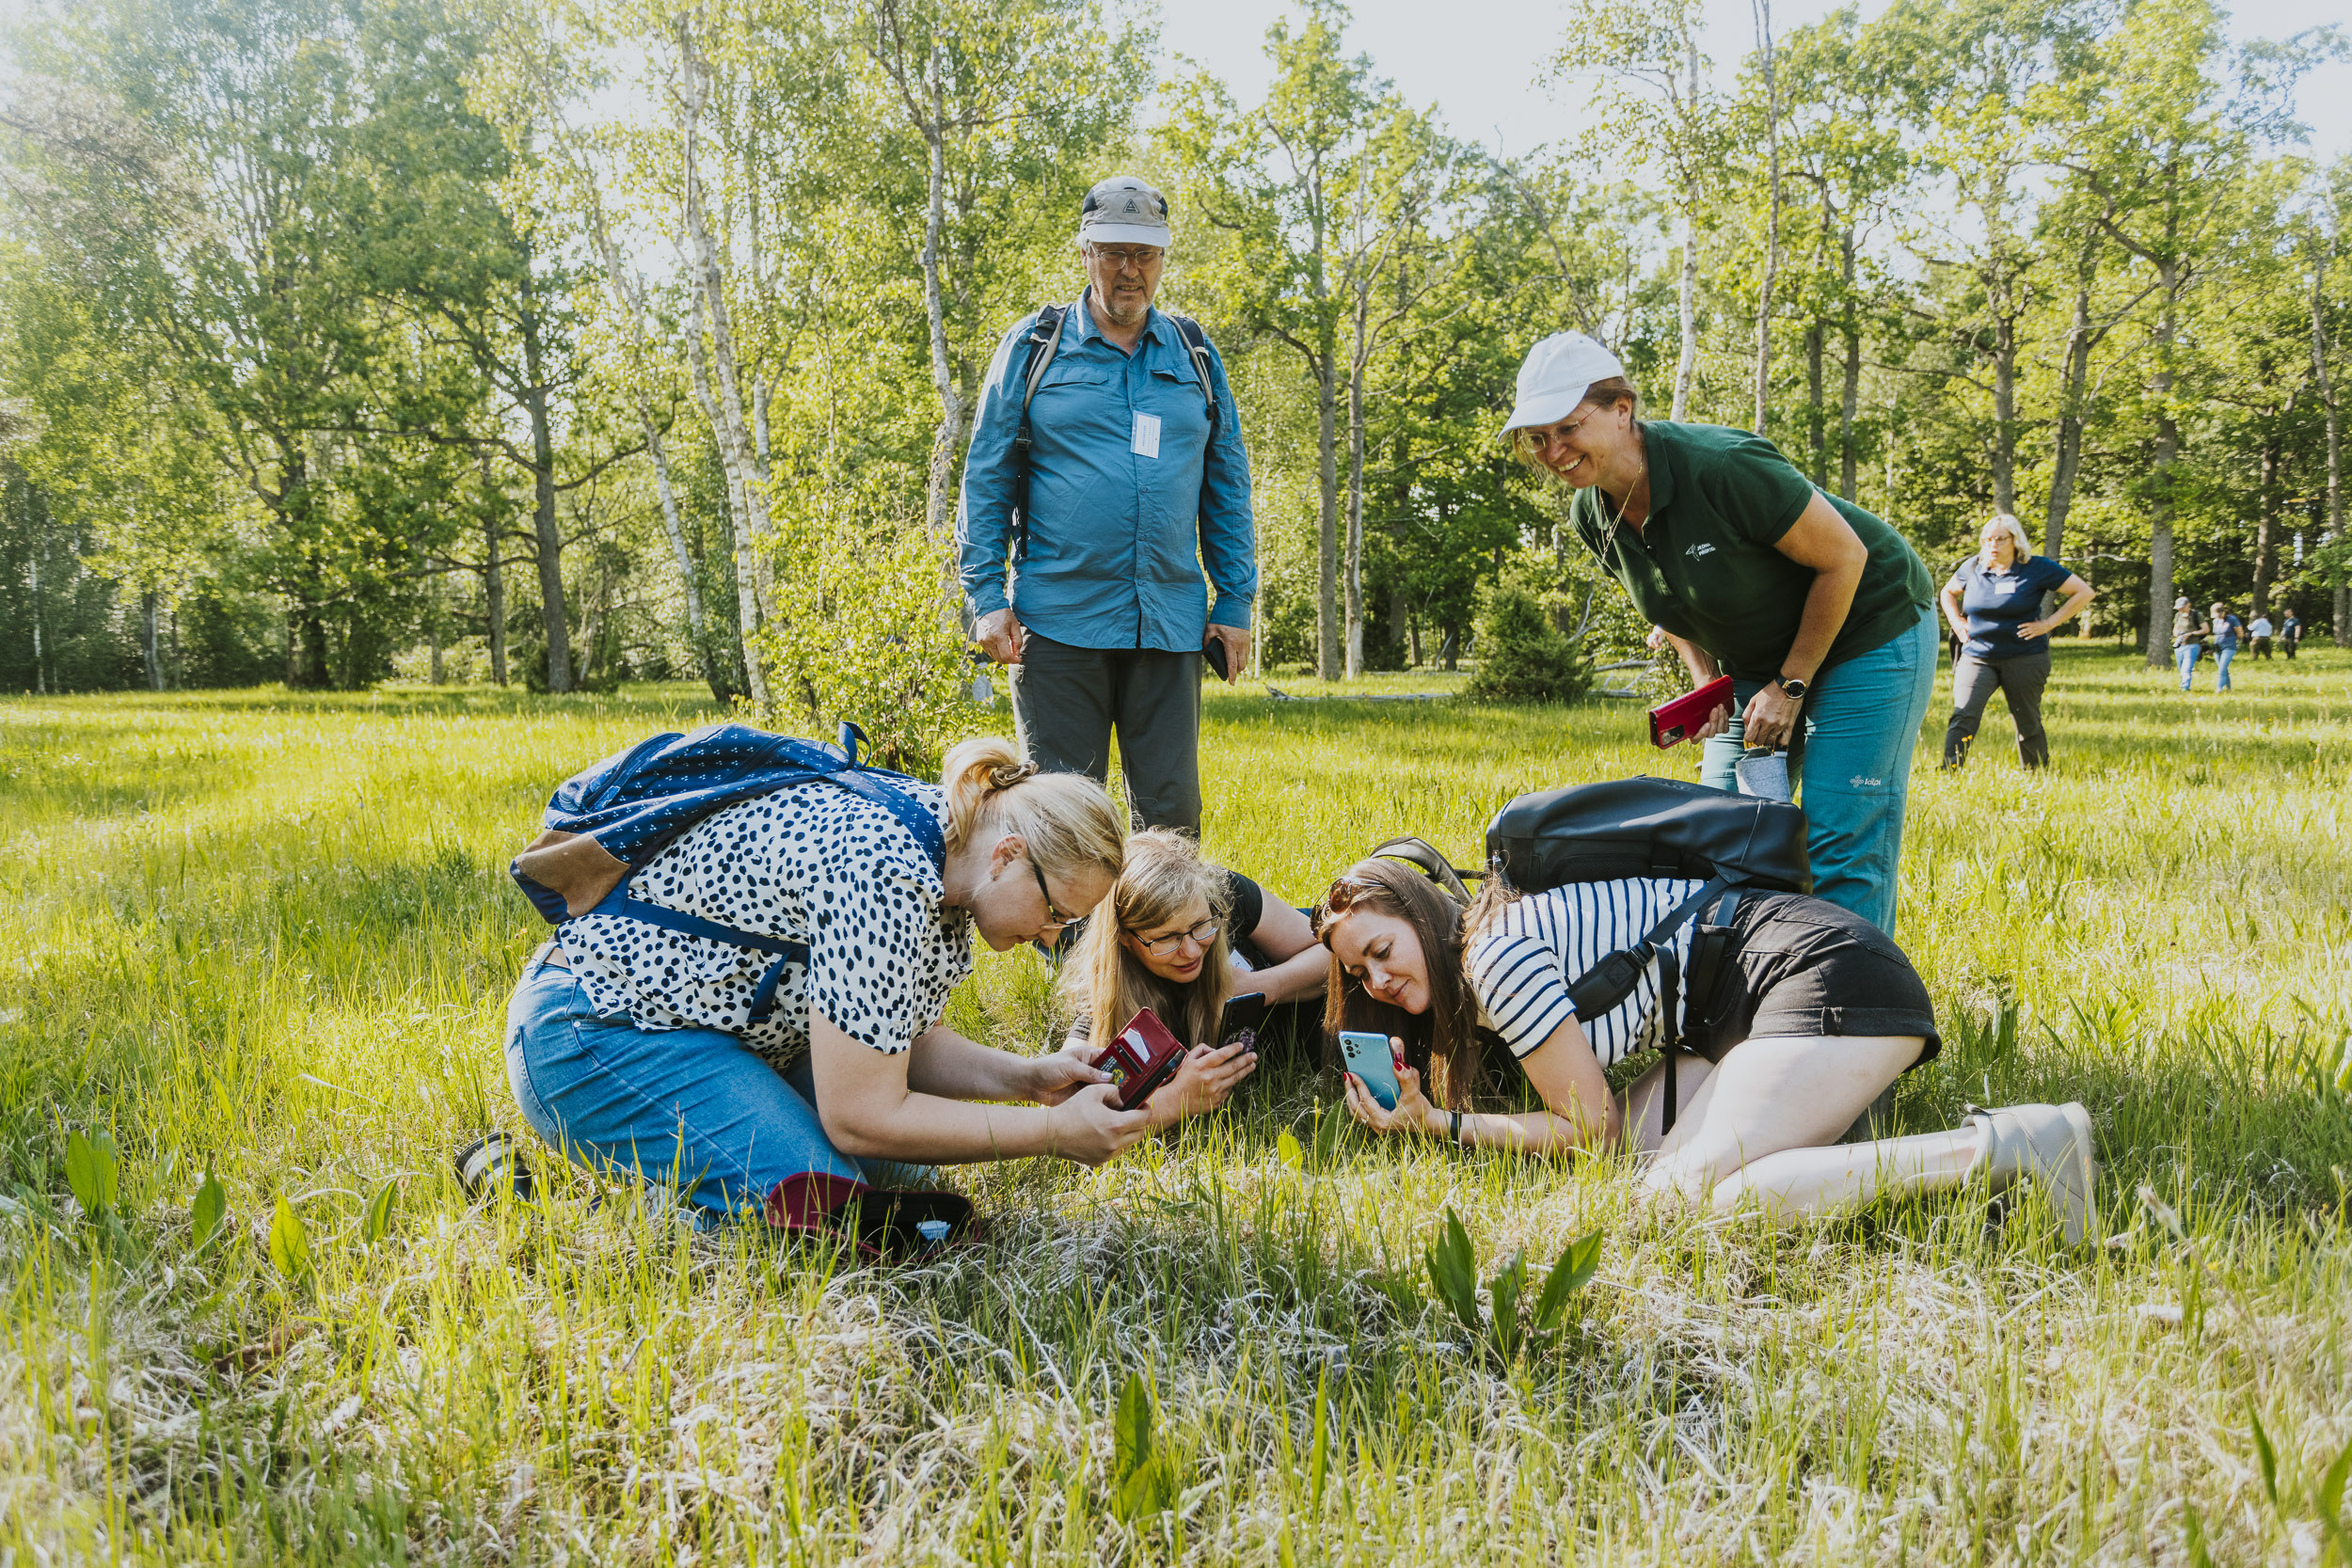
(1104, 983)
(1447, 1035)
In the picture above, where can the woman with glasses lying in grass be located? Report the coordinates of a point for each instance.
(1813, 1014)
(1165, 939)
(636, 1047)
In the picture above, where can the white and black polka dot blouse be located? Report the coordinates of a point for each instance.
(810, 863)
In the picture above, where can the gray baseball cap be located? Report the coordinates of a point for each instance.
(1123, 209)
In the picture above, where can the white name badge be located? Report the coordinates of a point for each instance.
(1147, 437)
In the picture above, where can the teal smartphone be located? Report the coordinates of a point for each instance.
(1369, 1059)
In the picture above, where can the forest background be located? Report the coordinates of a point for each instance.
(563, 341)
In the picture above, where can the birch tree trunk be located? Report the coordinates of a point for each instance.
(1686, 365)
(716, 372)
(2320, 350)
(1771, 231)
(2168, 454)
(1850, 400)
(739, 515)
(1355, 514)
(2073, 377)
(951, 409)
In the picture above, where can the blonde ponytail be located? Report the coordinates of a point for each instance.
(1068, 821)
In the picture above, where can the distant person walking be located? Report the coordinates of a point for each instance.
(1817, 610)
(2290, 633)
(2189, 635)
(2227, 629)
(2259, 629)
(1106, 468)
(1994, 606)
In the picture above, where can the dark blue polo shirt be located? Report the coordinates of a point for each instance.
(1998, 603)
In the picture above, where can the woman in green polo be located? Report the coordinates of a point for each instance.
(1819, 613)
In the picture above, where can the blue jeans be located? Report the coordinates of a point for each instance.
(693, 1109)
(2221, 658)
(2185, 657)
(1862, 719)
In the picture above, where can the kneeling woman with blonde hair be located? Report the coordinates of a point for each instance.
(645, 1043)
(1813, 1015)
(1161, 941)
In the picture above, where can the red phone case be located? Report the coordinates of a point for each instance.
(1144, 1056)
(1672, 723)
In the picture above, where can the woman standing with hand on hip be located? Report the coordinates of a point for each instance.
(1819, 610)
(1993, 603)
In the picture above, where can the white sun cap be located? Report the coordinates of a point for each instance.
(1123, 209)
(1556, 374)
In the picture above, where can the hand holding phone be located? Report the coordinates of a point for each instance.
(1672, 723)
(1214, 651)
(1243, 1015)
(1143, 1056)
(1369, 1058)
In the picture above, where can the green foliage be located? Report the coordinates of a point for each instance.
(1452, 1265)
(93, 1171)
(1523, 656)
(207, 1212)
(376, 1223)
(1142, 1482)
(288, 1243)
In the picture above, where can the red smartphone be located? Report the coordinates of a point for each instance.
(1672, 723)
(1144, 1056)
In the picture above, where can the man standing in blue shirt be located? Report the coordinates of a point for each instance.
(1136, 480)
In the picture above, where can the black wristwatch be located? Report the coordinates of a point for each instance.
(1793, 686)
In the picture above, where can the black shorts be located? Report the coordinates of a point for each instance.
(1803, 966)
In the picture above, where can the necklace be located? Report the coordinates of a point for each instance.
(1638, 480)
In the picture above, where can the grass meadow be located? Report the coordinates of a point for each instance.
(271, 936)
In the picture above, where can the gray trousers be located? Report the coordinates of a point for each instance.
(2021, 680)
(1066, 701)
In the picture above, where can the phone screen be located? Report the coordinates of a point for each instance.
(1246, 1011)
(1369, 1059)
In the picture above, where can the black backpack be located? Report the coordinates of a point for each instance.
(1640, 827)
(1042, 342)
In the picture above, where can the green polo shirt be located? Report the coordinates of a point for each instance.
(1703, 566)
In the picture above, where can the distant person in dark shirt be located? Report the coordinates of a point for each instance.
(2227, 630)
(1993, 607)
(2290, 633)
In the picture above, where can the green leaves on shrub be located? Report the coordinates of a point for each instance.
(209, 1210)
(92, 1170)
(1453, 1273)
(288, 1243)
(1141, 1482)
(378, 1224)
(1523, 656)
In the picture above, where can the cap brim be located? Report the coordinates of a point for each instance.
(1549, 408)
(1123, 233)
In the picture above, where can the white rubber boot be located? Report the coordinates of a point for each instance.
(2049, 1144)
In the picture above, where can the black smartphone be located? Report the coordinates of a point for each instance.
(1215, 654)
(1246, 1011)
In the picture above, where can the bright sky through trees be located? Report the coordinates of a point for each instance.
(1479, 60)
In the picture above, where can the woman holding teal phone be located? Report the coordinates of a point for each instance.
(1813, 1016)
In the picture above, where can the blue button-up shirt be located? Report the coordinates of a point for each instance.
(1117, 538)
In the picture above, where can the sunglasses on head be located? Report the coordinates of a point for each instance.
(1345, 894)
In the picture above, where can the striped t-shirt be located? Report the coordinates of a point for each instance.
(1523, 960)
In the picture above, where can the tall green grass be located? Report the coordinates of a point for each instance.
(271, 936)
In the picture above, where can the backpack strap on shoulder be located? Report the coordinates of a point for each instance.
(1197, 350)
(1044, 341)
(1612, 980)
